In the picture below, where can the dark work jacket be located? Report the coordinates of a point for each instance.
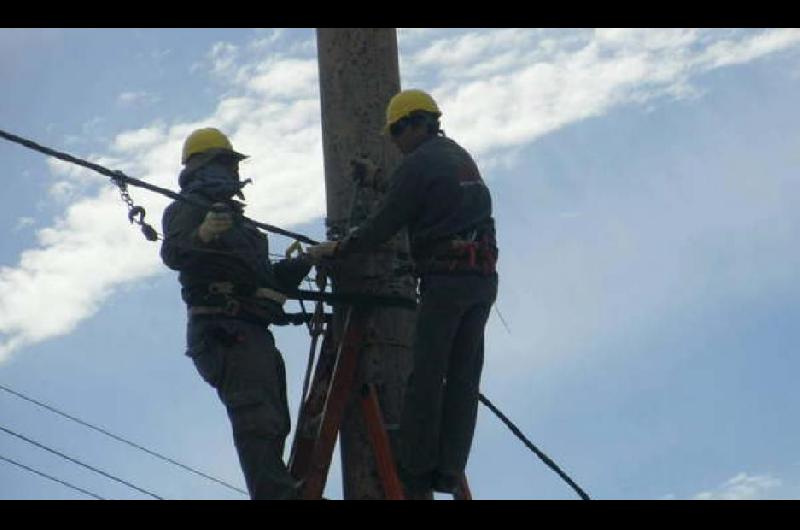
(437, 192)
(240, 255)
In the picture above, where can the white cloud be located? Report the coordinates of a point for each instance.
(129, 99)
(138, 139)
(413, 35)
(742, 487)
(79, 261)
(468, 49)
(727, 52)
(223, 57)
(81, 176)
(286, 78)
(522, 84)
(267, 38)
(271, 112)
(62, 191)
(72, 171)
(91, 131)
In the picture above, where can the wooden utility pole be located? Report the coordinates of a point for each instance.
(358, 73)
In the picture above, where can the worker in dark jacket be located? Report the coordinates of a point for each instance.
(438, 194)
(233, 294)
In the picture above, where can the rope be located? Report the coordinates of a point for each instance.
(546, 459)
(75, 461)
(54, 479)
(120, 439)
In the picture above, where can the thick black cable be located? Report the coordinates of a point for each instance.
(546, 459)
(120, 439)
(54, 479)
(75, 461)
(120, 177)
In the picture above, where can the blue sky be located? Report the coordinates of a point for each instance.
(643, 183)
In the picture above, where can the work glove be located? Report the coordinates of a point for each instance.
(326, 249)
(215, 223)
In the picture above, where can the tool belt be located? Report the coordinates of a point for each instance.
(474, 254)
(229, 301)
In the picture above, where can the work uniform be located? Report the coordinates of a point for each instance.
(437, 193)
(230, 342)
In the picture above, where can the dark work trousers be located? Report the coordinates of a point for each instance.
(239, 359)
(441, 399)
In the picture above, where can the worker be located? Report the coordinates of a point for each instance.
(438, 194)
(233, 294)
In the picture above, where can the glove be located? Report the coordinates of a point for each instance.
(326, 249)
(214, 224)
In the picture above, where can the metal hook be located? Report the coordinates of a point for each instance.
(136, 210)
(149, 232)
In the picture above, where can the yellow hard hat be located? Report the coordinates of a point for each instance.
(406, 102)
(202, 140)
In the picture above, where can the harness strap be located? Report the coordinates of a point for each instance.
(265, 293)
(462, 255)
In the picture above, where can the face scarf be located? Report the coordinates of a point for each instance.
(213, 180)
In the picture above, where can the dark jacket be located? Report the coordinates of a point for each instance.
(240, 255)
(437, 192)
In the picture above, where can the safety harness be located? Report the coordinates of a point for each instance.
(229, 299)
(474, 252)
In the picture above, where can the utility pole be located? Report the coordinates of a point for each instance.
(359, 73)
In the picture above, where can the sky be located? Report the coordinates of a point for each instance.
(642, 183)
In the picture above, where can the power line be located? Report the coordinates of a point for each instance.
(54, 479)
(120, 439)
(546, 459)
(73, 460)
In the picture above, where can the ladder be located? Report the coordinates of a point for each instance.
(322, 411)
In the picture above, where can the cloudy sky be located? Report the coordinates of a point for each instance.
(642, 181)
